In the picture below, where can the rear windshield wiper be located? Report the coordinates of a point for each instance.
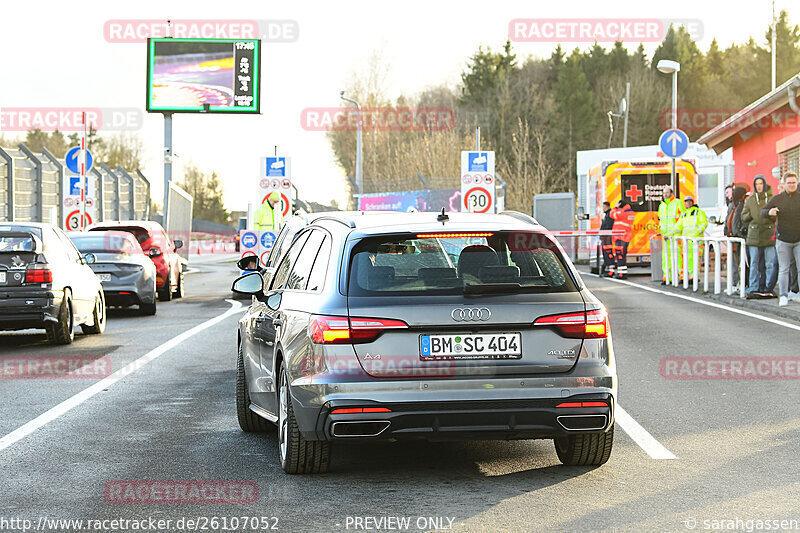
(491, 288)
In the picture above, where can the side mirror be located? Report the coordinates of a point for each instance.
(248, 262)
(249, 284)
(89, 258)
(274, 301)
(155, 251)
(178, 243)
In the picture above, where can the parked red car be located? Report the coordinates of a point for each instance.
(156, 243)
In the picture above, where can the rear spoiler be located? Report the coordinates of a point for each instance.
(37, 242)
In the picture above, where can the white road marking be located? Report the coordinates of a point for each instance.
(74, 401)
(710, 304)
(640, 435)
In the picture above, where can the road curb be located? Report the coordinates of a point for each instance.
(792, 311)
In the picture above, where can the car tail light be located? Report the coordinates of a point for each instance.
(353, 410)
(38, 274)
(583, 404)
(341, 330)
(451, 235)
(592, 324)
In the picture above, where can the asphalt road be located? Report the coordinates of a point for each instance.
(736, 442)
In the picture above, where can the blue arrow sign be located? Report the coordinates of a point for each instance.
(72, 160)
(673, 143)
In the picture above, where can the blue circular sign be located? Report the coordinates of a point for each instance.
(249, 239)
(71, 159)
(673, 142)
(267, 238)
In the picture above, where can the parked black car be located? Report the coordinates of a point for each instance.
(45, 283)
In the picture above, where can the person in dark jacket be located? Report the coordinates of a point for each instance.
(785, 207)
(760, 241)
(733, 224)
(607, 242)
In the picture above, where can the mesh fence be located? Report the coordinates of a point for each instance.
(32, 185)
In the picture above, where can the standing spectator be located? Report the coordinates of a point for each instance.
(760, 241)
(623, 217)
(793, 288)
(733, 225)
(693, 223)
(785, 207)
(607, 242)
(669, 211)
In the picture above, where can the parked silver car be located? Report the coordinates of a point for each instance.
(127, 273)
(425, 325)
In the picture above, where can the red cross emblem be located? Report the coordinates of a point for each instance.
(634, 193)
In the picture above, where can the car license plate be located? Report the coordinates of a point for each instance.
(104, 277)
(2, 277)
(471, 346)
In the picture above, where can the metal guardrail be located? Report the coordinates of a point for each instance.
(715, 244)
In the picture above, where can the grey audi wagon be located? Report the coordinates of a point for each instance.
(438, 326)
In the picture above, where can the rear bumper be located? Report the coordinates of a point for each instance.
(522, 407)
(469, 420)
(28, 309)
(128, 294)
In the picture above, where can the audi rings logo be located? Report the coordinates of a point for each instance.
(471, 314)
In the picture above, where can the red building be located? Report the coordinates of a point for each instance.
(765, 136)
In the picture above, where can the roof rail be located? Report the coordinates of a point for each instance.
(347, 222)
(521, 216)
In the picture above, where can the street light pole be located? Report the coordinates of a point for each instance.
(359, 176)
(667, 66)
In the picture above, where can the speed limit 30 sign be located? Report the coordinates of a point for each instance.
(478, 181)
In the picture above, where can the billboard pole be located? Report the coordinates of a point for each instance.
(84, 181)
(167, 164)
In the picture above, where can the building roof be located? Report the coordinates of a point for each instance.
(721, 136)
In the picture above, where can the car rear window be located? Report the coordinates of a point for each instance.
(109, 243)
(29, 229)
(16, 244)
(454, 263)
(141, 234)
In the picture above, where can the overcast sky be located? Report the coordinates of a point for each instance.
(55, 55)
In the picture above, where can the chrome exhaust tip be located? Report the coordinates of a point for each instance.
(359, 428)
(583, 422)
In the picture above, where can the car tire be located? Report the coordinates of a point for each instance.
(588, 449)
(165, 294)
(148, 309)
(179, 288)
(63, 331)
(98, 325)
(297, 455)
(248, 420)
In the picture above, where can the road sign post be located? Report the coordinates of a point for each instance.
(478, 181)
(276, 175)
(674, 143)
